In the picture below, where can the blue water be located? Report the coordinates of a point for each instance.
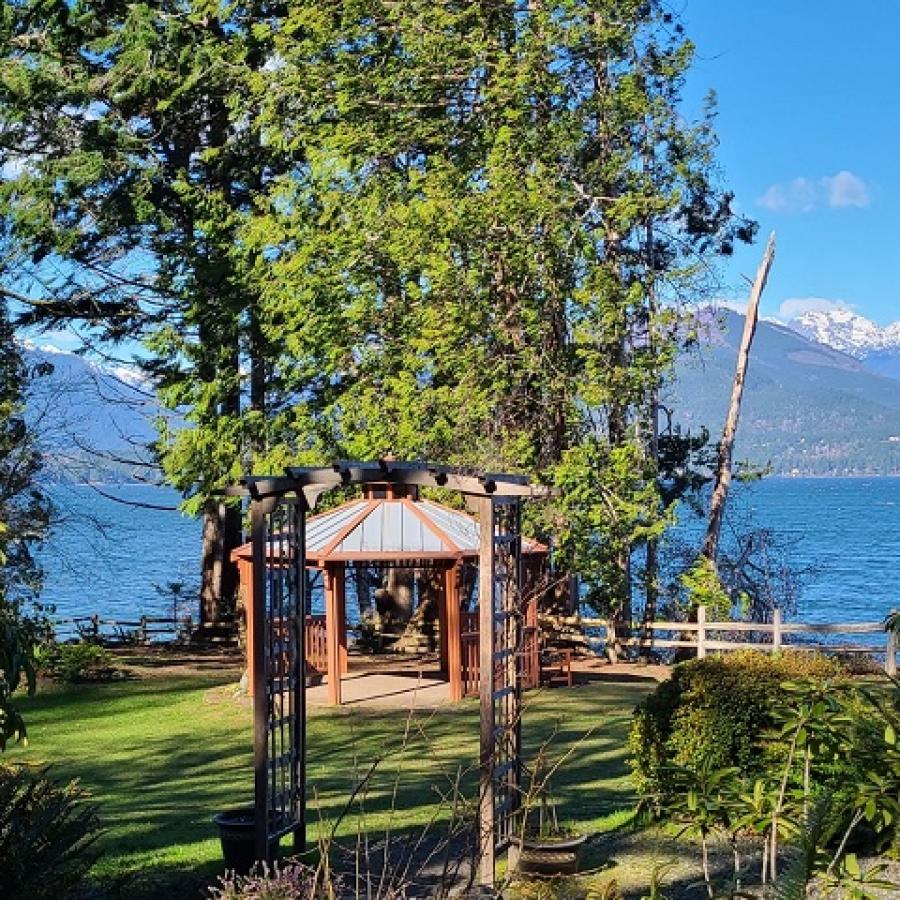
(109, 558)
(845, 531)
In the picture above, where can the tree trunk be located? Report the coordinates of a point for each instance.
(218, 575)
(651, 575)
(363, 589)
(723, 466)
(618, 435)
(395, 599)
(420, 634)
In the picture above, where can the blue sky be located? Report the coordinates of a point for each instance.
(810, 143)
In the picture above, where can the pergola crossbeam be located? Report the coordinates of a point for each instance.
(298, 479)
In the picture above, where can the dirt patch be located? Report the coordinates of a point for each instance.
(168, 661)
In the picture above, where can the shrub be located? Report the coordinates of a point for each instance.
(46, 834)
(714, 712)
(81, 662)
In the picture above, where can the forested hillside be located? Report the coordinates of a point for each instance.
(807, 409)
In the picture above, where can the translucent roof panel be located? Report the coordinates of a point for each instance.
(394, 529)
(322, 530)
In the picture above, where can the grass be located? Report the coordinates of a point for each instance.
(162, 754)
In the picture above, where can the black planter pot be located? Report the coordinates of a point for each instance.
(552, 856)
(237, 833)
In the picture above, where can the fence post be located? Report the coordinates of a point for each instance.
(95, 625)
(701, 632)
(143, 629)
(776, 629)
(890, 659)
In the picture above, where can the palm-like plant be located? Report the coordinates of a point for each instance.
(46, 834)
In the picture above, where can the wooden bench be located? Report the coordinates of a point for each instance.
(556, 667)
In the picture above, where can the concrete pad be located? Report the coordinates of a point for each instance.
(387, 690)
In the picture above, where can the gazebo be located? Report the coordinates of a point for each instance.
(391, 526)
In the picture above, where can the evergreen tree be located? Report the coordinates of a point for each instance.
(440, 229)
(24, 520)
(133, 162)
(502, 210)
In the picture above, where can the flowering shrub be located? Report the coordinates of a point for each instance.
(292, 881)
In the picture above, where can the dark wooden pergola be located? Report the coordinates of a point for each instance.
(391, 526)
(279, 554)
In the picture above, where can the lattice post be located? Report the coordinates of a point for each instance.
(486, 642)
(279, 684)
(501, 668)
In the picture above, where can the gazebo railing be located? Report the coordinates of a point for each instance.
(316, 645)
(471, 671)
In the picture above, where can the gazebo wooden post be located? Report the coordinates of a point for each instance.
(486, 636)
(340, 587)
(336, 629)
(248, 597)
(441, 594)
(453, 630)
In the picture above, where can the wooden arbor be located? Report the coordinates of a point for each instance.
(278, 507)
(391, 526)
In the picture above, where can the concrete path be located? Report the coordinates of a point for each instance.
(395, 682)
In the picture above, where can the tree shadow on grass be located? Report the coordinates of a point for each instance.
(158, 790)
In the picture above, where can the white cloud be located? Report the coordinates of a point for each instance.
(842, 190)
(798, 195)
(846, 189)
(735, 305)
(797, 306)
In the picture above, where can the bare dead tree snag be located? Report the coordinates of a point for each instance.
(723, 466)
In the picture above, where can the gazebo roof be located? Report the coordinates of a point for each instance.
(386, 529)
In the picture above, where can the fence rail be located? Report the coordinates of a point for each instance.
(704, 636)
(143, 630)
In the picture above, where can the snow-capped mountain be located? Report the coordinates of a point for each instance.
(845, 330)
(93, 420)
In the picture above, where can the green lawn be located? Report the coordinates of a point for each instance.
(162, 754)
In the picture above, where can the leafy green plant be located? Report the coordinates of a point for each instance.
(47, 831)
(702, 587)
(703, 804)
(810, 764)
(658, 873)
(852, 882)
(21, 637)
(81, 662)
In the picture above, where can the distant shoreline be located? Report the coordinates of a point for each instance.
(789, 477)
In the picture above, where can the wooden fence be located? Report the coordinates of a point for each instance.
(705, 636)
(122, 631)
